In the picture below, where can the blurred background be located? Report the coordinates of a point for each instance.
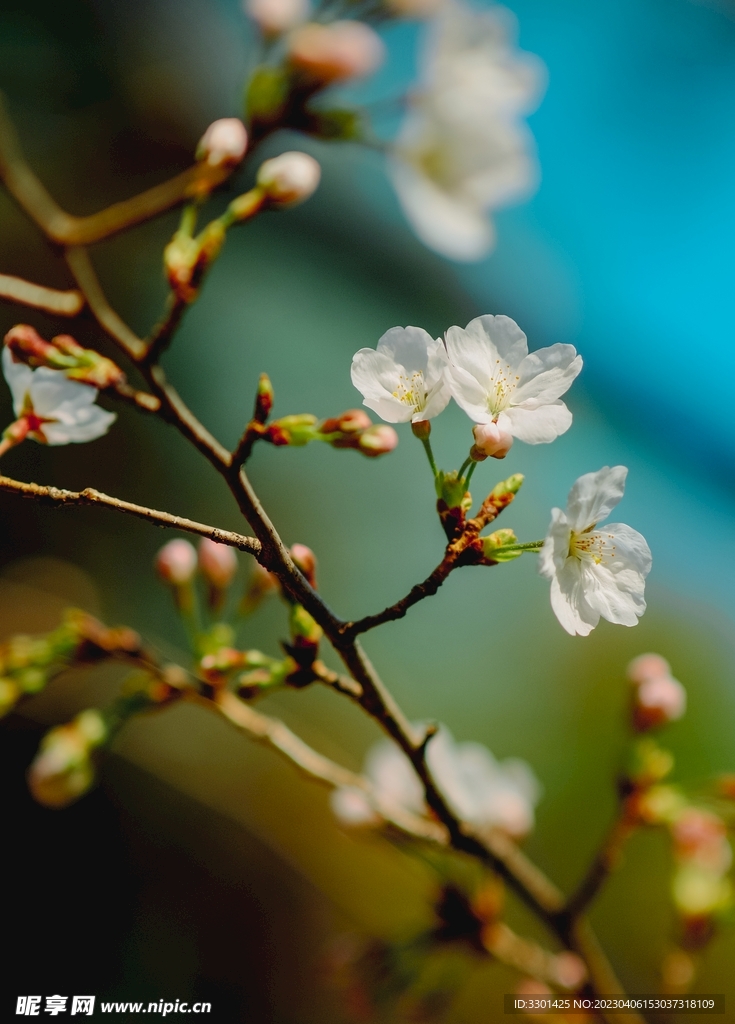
(204, 867)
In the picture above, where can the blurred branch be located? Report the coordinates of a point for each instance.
(57, 496)
(604, 863)
(16, 289)
(81, 267)
(65, 229)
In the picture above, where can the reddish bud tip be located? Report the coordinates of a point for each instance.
(217, 562)
(224, 143)
(305, 559)
(378, 440)
(336, 52)
(176, 562)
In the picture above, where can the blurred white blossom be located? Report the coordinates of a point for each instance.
(463, 149)
(57, 410)
(494, 379)
(404, 378)
(594, 573)
(481, 790)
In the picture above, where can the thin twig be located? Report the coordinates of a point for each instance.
(65, 229)
(89, 496)
(81, 267)
(51, 300)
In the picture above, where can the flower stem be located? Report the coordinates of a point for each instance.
(430, 456)
(464, 466)
(531, 545)
(469, 474)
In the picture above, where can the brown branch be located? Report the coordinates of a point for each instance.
(398, 610)
(16, 289)
(64, 228)
(278, 736)
(57, 496)
(605, 861)
(81, 267)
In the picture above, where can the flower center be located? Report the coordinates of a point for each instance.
(411, 390)
(501, 386)
(598, 547)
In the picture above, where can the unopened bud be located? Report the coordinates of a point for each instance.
(507, 487)
(62, 771)
(305, 559)
(305, 631)
(351, 807)
(262, 584)
(701, 837)
(699, 893)
(91, 368)
(217, 563)
(491, 441)
(492, 546)
(28, 346)
(380, 439)
(336, 52)
(179, 260)
(294, 430)
(350, 422)
(289, 178)
(421, 429)
(263, 399)
(176, 562)
(649, 764)
(224, 143)
(452, 490)
(569, 969)
(647, 666)
(657, 701)
(274, 17)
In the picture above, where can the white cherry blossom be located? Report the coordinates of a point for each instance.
(404, 378)
(479, 789)
(463, 149)
(58, 410)
(494, 378)
(594, 572)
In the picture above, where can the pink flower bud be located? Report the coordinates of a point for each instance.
(647, 666)
(217, 562)
(305, 559)
(350, 422)
(570, 970)
(659, 700)
(700, 837)
(378, 440)
(176, 562)
(224, 143)
(351, 807)
(273, 17)
(491, 441)
(336, 52)
(289, 178)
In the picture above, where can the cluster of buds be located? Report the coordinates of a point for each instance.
(252, 672)
(63, 353)
(177, 564)
(352, 429)
(336, 52)
(495, 544)
(62, 770)
(28, 663)
(657, 698)
(701, 888)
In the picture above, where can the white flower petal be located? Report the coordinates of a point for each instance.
(52, 388)
(409, 347)
(393, 776)
(594, 496)
(454, 227)
(555, 551)
(546, 375)
(436, 400)
(88, 427)
(18, 377)
(631, 549)
(469, 394)
(538, 426)
(603, 594)
(568, 600)
(502, 336)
